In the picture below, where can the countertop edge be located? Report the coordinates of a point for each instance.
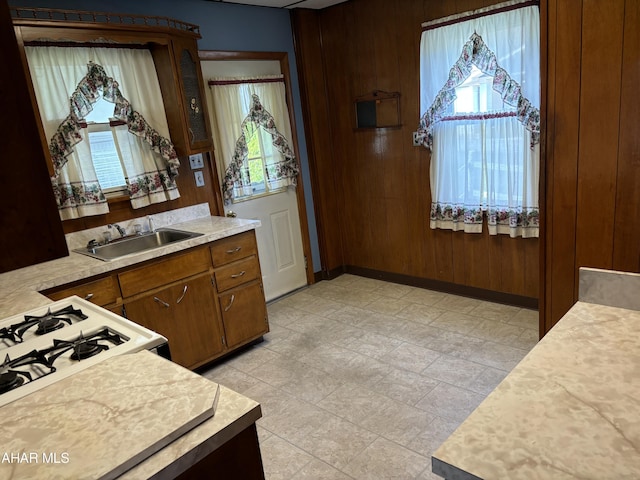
(20, 288)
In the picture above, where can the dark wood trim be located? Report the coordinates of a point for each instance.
(282, 57)
(446, 287)
(543, 198)
(329, 274)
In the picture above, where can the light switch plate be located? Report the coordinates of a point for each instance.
(196, 161)
(199, 178)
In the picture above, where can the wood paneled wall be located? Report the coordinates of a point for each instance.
(371, 187)
(593, 145)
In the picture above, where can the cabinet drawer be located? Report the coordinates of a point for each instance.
(164, 272)
(237, 273)
(230, 249)
(103, 291)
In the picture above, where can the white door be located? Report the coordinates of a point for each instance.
(279, 238)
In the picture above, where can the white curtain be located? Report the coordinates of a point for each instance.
(487, 165)
(56, 73)
(233, 102)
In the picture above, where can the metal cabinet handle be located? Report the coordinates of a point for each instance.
(234, 250)
(233, 297)
(237, 275)
(89, 296)
(193, 136)
(161, 302)
(184, 292)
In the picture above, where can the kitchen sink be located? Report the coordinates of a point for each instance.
(136, 244)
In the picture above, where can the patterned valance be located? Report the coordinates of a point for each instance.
(287, 169)
(81, 103)
(475, 52)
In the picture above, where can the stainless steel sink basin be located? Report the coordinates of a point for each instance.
(137, 244)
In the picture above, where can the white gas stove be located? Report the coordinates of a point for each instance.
(44, 345)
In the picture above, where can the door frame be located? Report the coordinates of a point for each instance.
(282, 57)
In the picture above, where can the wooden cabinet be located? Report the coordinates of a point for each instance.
(238, 283)
(104, 292)
(185, 313)
(174, 297)
(207, 301)
(183, 94)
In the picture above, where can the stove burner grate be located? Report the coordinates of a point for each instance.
(46, 323)
(83, 347)
(11, 377)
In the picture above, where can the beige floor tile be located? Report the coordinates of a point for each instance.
(497, 331)
(281, 460)
(495, 311)
(424, 297)
(428, 441)
(455, 344)
(393, 290)
(384, 459)
(454, 371)
(369, 343)
(487, 381)
(360, 378)
(252, 358)
(526, 318)
(457, 322)
(319, 470)
(420, 313)
(231, 377)
(405, 386)
(498, 356)
(411, 357)
(387, 305)
(527, 339)
(295, 345)
(450, 402)
(354, 316)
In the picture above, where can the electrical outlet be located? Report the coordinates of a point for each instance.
(416, 142)
(196, 161)
(199, 178)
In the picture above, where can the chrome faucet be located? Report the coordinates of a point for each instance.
(121, 231)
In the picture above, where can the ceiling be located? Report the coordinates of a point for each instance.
(315, 4)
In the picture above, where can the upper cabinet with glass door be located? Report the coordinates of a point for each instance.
(183, 94)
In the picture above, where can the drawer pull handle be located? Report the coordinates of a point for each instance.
(234, 250)
(184, 292)
(237, 275)
(89, 296)
(233, 297)
(161, 302)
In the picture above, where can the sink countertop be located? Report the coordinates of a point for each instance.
(570, 409)
(19, 288)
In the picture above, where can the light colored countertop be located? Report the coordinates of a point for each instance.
(104, 420)
(569, 410)
(19, 292)
(19, 288)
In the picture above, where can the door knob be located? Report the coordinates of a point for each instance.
(231, 214)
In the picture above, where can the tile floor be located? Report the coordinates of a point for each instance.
(363, 379)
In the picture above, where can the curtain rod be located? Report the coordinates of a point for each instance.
(249, 80)
(481, 12)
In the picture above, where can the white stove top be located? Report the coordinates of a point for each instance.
(56, 353)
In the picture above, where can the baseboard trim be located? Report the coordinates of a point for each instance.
(446, 287)
(329, 274)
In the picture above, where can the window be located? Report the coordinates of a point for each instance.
(480, 97)
(261, 159)
(104, 151)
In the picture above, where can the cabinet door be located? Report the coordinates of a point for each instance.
(244, 314)
(192, 87)
(185, 313)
